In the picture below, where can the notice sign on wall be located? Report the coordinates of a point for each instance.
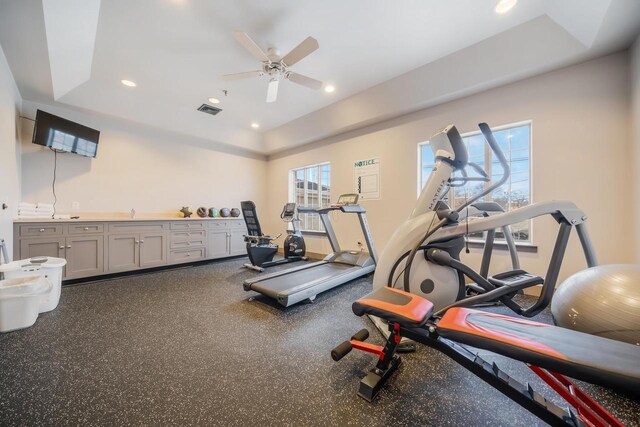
(366, 174)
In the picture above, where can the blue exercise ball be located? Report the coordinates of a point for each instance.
(602, 301)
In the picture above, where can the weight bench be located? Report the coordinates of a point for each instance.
(550, 351)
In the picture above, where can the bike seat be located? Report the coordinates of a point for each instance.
(394, 305)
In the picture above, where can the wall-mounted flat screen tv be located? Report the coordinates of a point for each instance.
(65, 135)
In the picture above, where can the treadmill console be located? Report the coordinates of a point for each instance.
(288, 211)
(346, 200)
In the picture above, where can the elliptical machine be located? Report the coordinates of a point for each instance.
(260, 248)
(423, 255)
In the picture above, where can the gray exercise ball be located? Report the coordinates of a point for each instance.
(602, 301)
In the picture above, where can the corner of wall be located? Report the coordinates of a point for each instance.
(635, 139)
(10, 147)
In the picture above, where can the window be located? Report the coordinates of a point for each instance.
(311, 186)
(515, 142)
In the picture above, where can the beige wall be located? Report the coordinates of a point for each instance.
(149, 170)
(580, 147)
(635, 124)
(10, 106)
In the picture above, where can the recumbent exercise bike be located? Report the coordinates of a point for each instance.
(260, 248)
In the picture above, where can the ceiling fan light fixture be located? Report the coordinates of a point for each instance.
(504, 6)
(214, 100)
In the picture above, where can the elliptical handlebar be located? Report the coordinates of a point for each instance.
(495, 148)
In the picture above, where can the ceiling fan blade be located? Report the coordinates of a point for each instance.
(250, 45)
(304, 80)
(272, 90)
(244, 75)
(299, 52)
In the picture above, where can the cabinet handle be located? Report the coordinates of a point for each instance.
(188, 254)
(42, 230)
(141, 241)
(137, 242)
(68, 246)
(61, 247)
(86, 229)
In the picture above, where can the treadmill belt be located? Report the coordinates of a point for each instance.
(288, 284)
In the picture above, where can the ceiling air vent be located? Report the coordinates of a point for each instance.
(209, 109)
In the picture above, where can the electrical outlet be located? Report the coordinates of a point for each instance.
(75, 205)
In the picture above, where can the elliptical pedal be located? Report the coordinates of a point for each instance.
(517, 279)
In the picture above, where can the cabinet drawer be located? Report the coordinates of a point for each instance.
(187, 244)
(186, 255)
(89, 228)
(40, 230)
(188, 235)
(139, 227)
(218, 224)
(238, 224)
(188, 225)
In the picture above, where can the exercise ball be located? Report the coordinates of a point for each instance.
(213, 212)
(202, 212)
(225, 212)
(602, 301)
(235, 212)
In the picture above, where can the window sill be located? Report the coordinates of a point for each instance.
(520, 247)
(313, 233)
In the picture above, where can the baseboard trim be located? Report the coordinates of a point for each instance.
(141, 272)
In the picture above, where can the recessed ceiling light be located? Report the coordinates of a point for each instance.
(214, 100)
(329, 88)
(504, 6)
(255, 125)
(128, 83)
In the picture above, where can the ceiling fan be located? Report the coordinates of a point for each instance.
(275, 66)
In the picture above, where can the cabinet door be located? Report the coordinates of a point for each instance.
(218, 244)
(124, 253)
(153, 249)
(237, 245)
(46, 246)
(85, 256)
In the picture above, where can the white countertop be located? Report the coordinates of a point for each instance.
(122, 219)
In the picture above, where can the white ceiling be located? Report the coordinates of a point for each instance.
(176, 51)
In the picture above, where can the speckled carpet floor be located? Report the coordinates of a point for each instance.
(187, 347)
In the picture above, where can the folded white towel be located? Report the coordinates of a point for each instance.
(27, 211)
(43, 210)
(26, 206)
(44, 205)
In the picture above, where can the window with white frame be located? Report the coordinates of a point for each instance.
(311, 186)
(515, 142)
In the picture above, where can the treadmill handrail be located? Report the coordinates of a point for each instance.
(344, 209)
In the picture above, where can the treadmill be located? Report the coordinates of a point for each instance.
(302, 283)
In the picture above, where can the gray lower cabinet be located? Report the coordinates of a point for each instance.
(93, 248)
(153, 249)
(237, 245)
(85, 256)
(123, 252)
(45, 246)
(218, 243)
(136, 250)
